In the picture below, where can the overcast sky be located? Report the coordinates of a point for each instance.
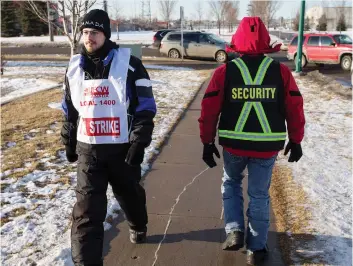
(131, 7)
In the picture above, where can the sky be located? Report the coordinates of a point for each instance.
(131, 7)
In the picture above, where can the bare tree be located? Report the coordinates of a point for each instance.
(232, 12)
(296, 21)
(166, 8)
(273, 7)
(199, 11)
(71, 12)
(218, 10)
(266, 10)
(116, 14)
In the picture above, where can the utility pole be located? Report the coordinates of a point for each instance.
(181, 29)
(298, 68)
(50, 18)
(105, 5)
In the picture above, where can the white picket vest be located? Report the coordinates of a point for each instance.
(101, 103)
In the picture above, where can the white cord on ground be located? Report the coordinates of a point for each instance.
(170, 215)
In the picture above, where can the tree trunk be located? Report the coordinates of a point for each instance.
(74, 46)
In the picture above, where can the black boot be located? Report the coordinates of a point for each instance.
(137, 237)
(234, 241)
(257, 257)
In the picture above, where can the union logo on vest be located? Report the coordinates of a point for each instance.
(94, 92)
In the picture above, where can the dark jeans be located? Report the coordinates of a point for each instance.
(93, 175)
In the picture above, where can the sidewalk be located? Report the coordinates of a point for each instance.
(179, 185)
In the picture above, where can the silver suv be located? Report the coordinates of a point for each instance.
(196, 44)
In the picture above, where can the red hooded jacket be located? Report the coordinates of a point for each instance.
(251, 38)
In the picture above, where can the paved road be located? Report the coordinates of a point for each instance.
(330, 70)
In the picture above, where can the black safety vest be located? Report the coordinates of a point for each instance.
(253, 114)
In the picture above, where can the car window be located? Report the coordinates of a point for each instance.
(164, 32)
(174, 37)
(313, 41)
(215, 38)
(190, 37)
(203, 38)
(294, 41)
(342, 39)
(326, 41)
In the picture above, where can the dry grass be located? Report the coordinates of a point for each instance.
(14, 213)
(21, 116)
(327, 83)
(293, 217)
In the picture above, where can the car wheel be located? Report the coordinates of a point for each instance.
(346, 62)
(174, 53)
(304, 61)
(221, 57)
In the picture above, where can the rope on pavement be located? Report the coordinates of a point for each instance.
(171, 212)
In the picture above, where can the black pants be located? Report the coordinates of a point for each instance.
(94, 172)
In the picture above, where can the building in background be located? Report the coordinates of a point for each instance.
(332, 15)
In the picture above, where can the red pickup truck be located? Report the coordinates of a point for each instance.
(323, 49)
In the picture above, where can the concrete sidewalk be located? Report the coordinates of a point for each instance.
(184, 205)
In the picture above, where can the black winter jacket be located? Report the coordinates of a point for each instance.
(142, 105)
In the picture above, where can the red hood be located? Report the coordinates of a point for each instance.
(252, 37)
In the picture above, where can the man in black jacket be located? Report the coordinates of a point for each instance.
(109, 109)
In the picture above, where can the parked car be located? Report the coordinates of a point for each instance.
(159, 36)
(196, 44)
(323, 49)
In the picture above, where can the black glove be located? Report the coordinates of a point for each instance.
(135, 154)
(296, 151)
(71, 155)
(207, 156)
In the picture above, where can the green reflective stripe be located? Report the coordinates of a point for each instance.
(253, 136)
(262, 117)
(244, 71)
(261, 72)
(243, 116)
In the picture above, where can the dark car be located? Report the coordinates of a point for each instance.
(159, 36)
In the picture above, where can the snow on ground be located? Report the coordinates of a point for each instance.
(9, 87)
(40, 207)
(325, 170)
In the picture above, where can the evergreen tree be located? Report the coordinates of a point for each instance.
(322, 26)
(30, 23)
(341, 24)
(9, 20)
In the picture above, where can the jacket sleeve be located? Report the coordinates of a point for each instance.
(145, 106)
(294, 106)
(69, 128)
(211, 105)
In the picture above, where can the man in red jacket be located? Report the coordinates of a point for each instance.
(255, 96)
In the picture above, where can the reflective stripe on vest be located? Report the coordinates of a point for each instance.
(238, 132)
